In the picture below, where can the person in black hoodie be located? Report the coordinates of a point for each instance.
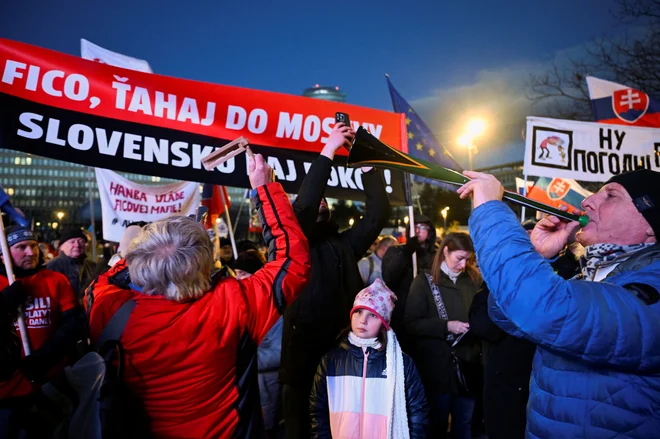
(314, 320)
(397, 269)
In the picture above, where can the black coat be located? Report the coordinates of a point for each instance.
(80, 272)
(507, 370)
(397, 272)
(428, 332)
(315, 319)
(348, 361)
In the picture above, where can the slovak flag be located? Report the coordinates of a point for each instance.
(621, 105)
(212, 199)
(555, 191)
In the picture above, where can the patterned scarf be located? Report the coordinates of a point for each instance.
(605, 255)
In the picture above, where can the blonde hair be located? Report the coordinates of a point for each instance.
(171, 257)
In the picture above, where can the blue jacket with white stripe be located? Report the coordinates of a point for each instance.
(596, 371)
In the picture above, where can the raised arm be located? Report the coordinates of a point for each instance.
(313, 186)
(377, 211)
(282, 279)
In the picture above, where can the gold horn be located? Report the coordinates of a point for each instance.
(367, 150)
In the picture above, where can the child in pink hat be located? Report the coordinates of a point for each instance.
(367, 387)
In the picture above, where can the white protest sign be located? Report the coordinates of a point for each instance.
(588, 151)
(124, 202)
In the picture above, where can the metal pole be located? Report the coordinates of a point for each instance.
(91, 211)
(522, 211)
(229, 227)
(240, 209)
(411, 222)
(22, 329)
(470, 146)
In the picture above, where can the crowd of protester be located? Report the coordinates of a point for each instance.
(538, 330)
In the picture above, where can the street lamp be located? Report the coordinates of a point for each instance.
(443, 212)
(474, 129)
(406, 220)
(351, 222)
(60, 215)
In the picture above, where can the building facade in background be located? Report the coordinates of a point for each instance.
(326, 93)
(42, 188)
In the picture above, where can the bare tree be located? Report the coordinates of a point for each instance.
(632, 59)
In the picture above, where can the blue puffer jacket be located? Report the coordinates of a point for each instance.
(596, 372)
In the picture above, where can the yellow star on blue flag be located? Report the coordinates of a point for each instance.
(426, 147)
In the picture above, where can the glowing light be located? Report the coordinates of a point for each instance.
(476, 127)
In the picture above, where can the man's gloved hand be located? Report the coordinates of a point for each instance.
(11, 297)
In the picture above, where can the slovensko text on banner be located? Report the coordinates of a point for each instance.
(63, 107)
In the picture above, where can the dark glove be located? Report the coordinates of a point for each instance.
(34, 367)
(413, 244)
(11, 297)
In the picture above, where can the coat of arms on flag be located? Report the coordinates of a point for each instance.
(622, 105)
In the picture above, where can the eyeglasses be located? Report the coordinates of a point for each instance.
(422, 227)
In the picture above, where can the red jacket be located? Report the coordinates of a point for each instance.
(49, 295)
(193, 364)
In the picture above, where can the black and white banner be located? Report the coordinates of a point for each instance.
(588, 151)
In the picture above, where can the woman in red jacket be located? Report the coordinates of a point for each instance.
(190, 346)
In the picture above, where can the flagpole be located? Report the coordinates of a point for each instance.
(91, 212)
(216, 242)
(20, 319)
(240, 209)
(229, 226)
(522, 211)
(411, 222)
(411, 216)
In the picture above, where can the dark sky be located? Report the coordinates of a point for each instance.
(429, 48)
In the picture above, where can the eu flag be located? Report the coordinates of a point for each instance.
(421, 141)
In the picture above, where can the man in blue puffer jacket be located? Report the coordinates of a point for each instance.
(596, 372)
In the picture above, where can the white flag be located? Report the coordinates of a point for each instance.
(92, 52)
(124, 202)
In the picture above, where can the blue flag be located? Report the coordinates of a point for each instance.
(421, 141)
(15, 215)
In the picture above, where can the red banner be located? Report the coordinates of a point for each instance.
(95, 114)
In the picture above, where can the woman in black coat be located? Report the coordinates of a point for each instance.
(436, 316)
